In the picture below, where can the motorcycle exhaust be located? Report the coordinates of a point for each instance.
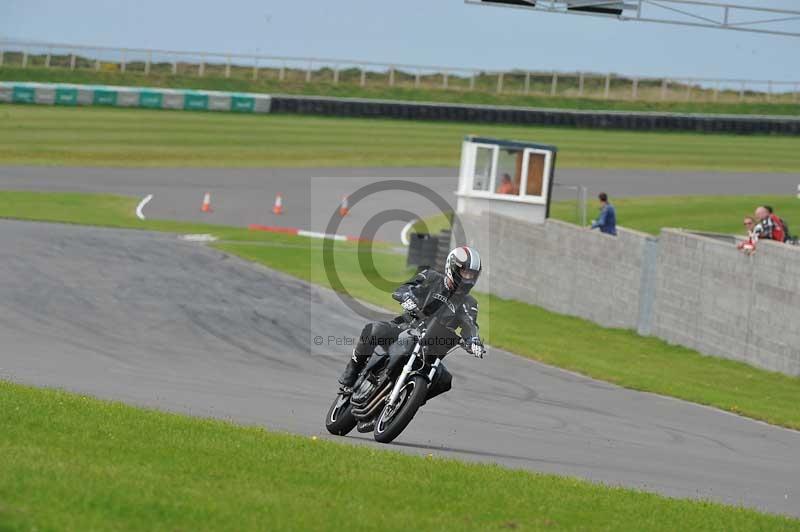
(371, 408)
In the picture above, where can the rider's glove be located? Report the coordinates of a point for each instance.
(475, 346)
(409, 305)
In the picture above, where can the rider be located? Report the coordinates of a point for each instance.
(429, 288)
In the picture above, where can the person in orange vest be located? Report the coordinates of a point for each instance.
(506, 185)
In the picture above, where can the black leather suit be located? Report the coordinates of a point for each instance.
(431, 294)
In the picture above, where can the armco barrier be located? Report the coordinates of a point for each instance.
(146, 97)
(638, 121)
(687, 289)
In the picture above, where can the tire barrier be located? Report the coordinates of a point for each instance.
(158, 98)
(635, 121)
(428, 251)
(143, 97)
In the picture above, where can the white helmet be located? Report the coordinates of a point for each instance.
(462, 269)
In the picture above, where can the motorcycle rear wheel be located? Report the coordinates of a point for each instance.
(391, 422)
(340, 419)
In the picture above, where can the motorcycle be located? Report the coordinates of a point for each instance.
(395, 383)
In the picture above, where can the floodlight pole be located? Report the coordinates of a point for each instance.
(692, 13)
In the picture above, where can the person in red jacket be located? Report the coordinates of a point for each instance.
(769, 227)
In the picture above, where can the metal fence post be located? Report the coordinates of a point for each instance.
(308, 72)
(25, 59)
(499, 83)
(2, 53)
(554, 84)
(97, 65)
(255, 69)
(584, 219)
(282, 72)
(122, 64)
(391, 76)
(769, 91)
(445, 79)
(336, 74)
(147, 63)
(472, 81)
(175, 66)
(363, 77)
(688, 90)
(794, 93)
(664, 87)
(716, 92)
(580, 84)
(201, 69)
(607, 88)
(527, 82)
(72, 61)
(47, 58)
(228, 67)
(416, 79)
(741, 92)
(635, 89)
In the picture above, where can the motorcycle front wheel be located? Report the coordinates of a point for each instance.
(392, 421)
(340, 419)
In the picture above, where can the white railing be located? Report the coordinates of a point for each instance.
(299, 70)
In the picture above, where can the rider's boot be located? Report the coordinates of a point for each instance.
(353, 368)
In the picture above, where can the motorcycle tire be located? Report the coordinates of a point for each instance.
(408, 403)
(340, 419)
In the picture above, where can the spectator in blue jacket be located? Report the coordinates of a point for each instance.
(607, 221)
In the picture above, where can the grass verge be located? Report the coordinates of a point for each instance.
(649, 214)
(89, 136)
(484, 94)
(614, 355)
(72, 462)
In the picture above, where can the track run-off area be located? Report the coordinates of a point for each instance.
(245, 196)
(155, 321)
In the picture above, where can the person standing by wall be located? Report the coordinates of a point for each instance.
(748, 246)
(770, 227)
(607, 221)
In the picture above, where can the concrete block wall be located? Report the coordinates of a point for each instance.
(712, 298)
(560, 267)
(687, 289)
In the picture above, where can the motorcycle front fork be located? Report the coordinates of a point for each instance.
(401, 380)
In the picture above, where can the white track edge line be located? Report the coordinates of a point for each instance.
(142, 203)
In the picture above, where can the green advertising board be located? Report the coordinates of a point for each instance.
(194, 101)
(23, 94)
(243, 104)
(66, 96)
(104, 97)
(145, 97)
(150, 99)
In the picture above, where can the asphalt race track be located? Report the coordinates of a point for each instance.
(152, 320)
(242, 197)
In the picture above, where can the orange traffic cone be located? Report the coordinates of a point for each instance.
(278, 207)
(206, 202)
(343, 207)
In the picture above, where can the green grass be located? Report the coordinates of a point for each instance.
(614, 355)
(40, 135)
(485, 93)
(71, 462)
(649, 214)
(713, 214)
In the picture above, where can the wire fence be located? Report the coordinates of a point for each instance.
(315, 70)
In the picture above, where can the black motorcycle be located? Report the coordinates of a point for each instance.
(396, 383)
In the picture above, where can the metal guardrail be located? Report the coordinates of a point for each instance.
(337, 71)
